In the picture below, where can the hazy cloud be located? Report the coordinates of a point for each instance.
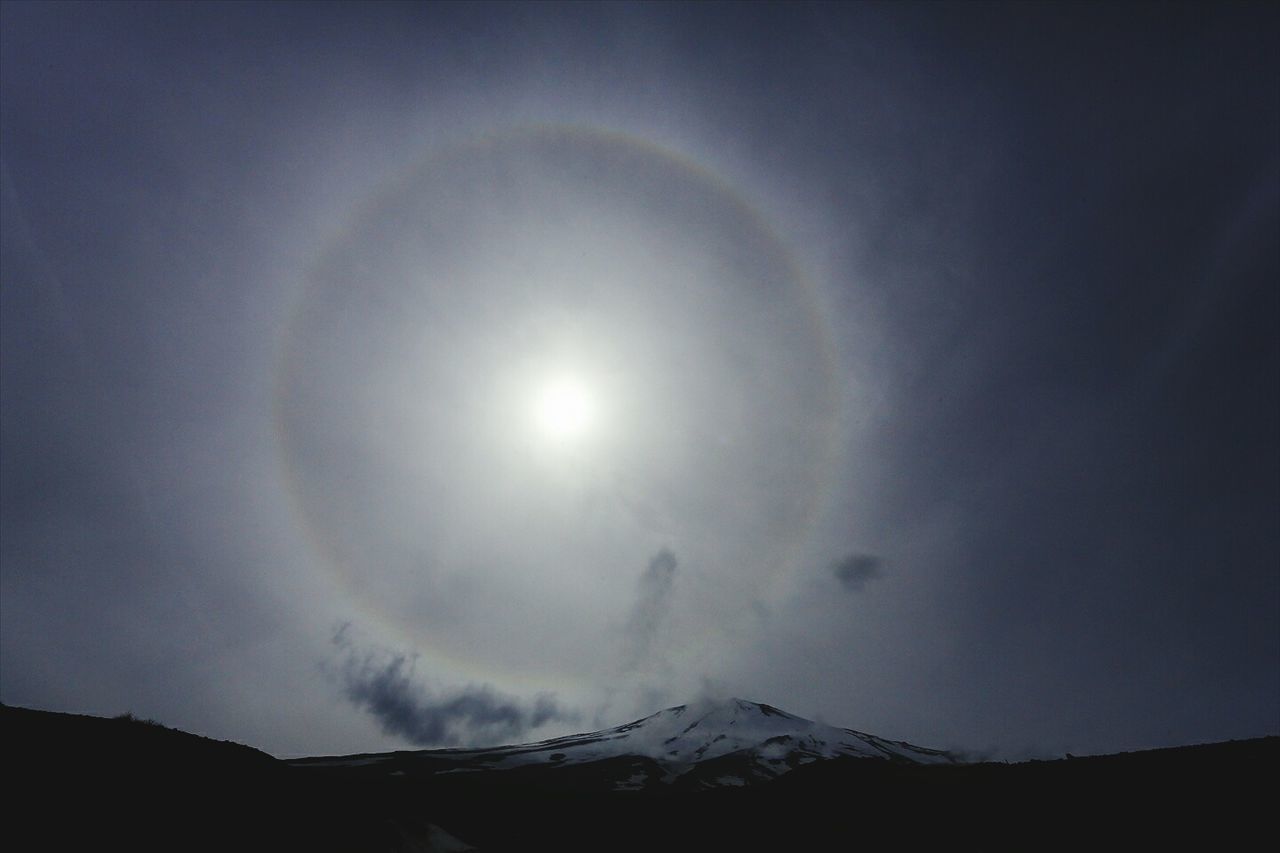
(962, 289)
(382, 683)
(854, 571)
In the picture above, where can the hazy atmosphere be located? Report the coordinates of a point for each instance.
(384, 375)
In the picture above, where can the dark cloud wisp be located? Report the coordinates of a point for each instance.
(855, 571)
(382, 683)
(653, 600)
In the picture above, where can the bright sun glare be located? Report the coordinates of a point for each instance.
(563, 408)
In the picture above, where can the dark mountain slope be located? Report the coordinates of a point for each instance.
(84, 782)
(80, 782)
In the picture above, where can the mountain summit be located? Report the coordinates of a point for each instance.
(705, 744)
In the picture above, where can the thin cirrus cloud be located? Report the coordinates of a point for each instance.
(991, 296)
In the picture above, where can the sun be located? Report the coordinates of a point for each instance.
(563, 408)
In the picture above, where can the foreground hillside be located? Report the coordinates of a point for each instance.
(86, 782)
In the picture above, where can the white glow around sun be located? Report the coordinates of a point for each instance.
(563, 409)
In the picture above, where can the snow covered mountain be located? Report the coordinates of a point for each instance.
(702, 745)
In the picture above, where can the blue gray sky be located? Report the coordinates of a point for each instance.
(379, 375)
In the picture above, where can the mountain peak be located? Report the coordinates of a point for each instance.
(705, 743)
(719, 715)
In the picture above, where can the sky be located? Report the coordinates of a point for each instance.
(378, 376)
